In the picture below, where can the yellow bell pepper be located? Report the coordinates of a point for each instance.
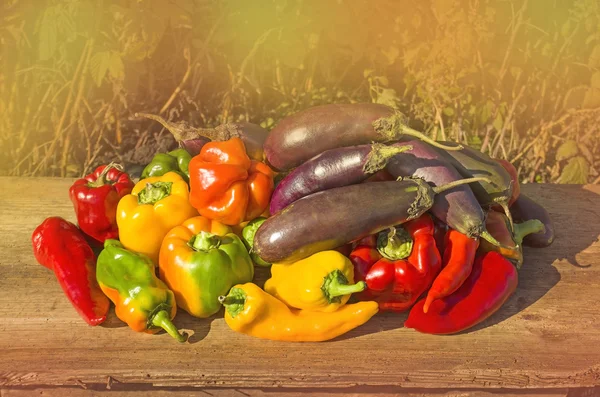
(155, 206)
(322, 282)
(252, 311)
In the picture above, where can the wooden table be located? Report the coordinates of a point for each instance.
(544, 341)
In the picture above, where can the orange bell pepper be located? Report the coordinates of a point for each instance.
(226, 185)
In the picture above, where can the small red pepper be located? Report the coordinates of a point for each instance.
(95, 200)
(491, 282)
(393, 282)
(458, 262)
(60, 246)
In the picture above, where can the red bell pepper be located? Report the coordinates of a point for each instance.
(491, 282)
(60, 246)
(95, 200)
(393, 282)
(458, 262)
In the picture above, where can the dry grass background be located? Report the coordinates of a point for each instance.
(519, 79)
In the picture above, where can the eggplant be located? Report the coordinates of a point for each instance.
(472, 163)
(331, 218)
(525, 209)
(333, 168)
(303, 135)
(458, 208)
(192, 138)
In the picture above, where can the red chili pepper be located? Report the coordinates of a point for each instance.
(458, 262)
(60, 246)
(95, 199)
(492, 281)
(397, 283)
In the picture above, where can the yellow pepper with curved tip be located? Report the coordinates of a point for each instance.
(155, 206)
(252, 311)
(322, 282)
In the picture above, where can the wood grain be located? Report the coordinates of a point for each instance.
(546, 337)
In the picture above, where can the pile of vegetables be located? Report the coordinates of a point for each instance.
(353, 211)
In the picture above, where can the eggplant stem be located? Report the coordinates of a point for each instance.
(452, 185)
(182, 131)
(379, 156)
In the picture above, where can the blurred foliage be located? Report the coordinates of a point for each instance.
(518, 79)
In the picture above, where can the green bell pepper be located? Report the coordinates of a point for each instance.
(248, 233)
(141, 300)
(177, 160)
(201, 267)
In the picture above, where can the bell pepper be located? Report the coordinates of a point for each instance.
(456, 266)
(200, 260)
(177, 161)
(141, 299)
(322, 282)
(498, 225)
(226, 185)
(155, 206)
(398, 267)
(95, 198)
(61, 247)
(248, 233)
(252, 311)
(491, 282)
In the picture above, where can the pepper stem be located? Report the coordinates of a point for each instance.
(452, 185)
(395, 126)
(162, 320)
(490, 239)
(379, 156)
(335, 285)
(528, 227)
(154, 192)
(101, 180)
(395, 245)
(205, 241)
(234, 302)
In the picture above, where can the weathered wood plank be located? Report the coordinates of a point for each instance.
(546, 336)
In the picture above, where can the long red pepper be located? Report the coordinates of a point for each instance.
(60, 246)
(458, 262)
(95, 200)
(491, 282)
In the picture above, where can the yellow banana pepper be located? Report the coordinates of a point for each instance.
(252, 311)
(155, 206)
(322, 282)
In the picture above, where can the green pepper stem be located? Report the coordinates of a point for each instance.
(205, 241)
(528, 227)
(154, 192)
(101, 180)
(452, 185)
(336, 289)
(162, 320)
(230, 300)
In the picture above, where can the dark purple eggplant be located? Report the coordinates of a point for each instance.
(192, 138)
(333, 168)
(525, 209)
(331, 218)
(472, 163)
(303, 135)
(458, 208)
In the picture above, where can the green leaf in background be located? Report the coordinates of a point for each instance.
(498, 122)
(99, 65)
(388, 97)
(567, 150)
(448, 111)
(576, 171)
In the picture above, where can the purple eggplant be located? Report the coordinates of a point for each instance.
(303, 135)
(192, 139)
(525, 209)
(458, 208)
(331, 218)
(333, 168)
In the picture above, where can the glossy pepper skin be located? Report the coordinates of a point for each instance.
(200, 260)
(141, 299)
(322, 282)
(491, 282)
(226, 185)
(155, 206)
(456, 266)
(177, 161)
(60, 246)
(252, 311)
(95, 198)
(402, 266)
